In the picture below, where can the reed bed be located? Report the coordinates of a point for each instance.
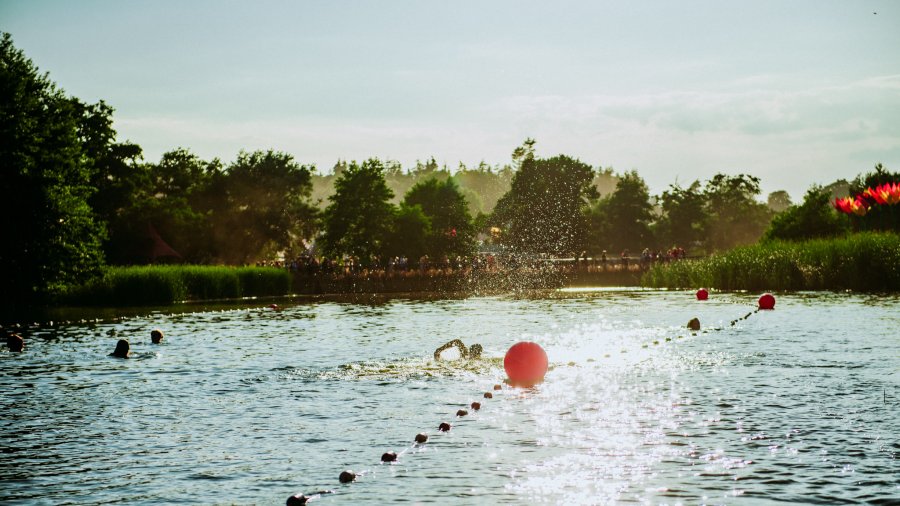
(169, 284)
(866, 261)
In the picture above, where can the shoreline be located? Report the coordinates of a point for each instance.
(343, 288)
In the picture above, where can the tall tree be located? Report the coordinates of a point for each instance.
(735, 216)
(442, 202)
(52, 236)
(628, 214)
(545, 208)
(263, 207)
(408, 234)
(683, 221)
(178, 204)
(359, 216)
(121, 182)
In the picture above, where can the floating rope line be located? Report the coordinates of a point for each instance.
(349, 476)
(748, 315)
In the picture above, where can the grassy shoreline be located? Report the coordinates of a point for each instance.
(173, 284)
(867, 262)
(170, 284)
(864, 262)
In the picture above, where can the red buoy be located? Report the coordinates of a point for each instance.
(767, 301)
(525, 364)
(702, 294)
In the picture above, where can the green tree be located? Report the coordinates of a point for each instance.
(545, 208)
(815, 217)
(452, 232)
(263, 206)
(121, 183)
(117, 174)
(684, 220)
(408, 234)
(626, 215)
(735, 216)
(359, 217)
(53, 238)
(178, 204)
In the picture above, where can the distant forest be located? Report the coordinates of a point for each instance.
(482, 186)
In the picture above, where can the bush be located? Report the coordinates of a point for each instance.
(814, 218)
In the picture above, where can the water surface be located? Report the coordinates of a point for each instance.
(248, 405)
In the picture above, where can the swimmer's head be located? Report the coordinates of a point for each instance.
(15, 342)
(694, 324)
(122, 349)
(475, 351)
(156, 336)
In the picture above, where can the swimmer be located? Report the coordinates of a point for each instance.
(15, 342)
(123, 349)
(694, 324)
(473, 352)
(156, 336)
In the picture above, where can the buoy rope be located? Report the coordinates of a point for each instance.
(300, 498)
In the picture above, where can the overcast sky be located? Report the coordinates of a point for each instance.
(796, 92)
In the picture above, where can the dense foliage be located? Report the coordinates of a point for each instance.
(545, 209)
(815, 217)
(451, 230)
(621, 221)
(358, 220)
(52, 235)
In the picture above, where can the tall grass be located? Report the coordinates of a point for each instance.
(168, 284)
(864, 262)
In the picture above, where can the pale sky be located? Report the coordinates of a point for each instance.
(795, 92)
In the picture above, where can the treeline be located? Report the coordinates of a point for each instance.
(78, 199)
(482, 185)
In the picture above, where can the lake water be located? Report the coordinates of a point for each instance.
(248, 405)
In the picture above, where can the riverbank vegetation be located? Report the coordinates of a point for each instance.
(169, 284)
(866, 261)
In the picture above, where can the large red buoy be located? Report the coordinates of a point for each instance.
(767, 301)
(702, 294)
(525, 364)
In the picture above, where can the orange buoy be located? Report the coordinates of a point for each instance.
(702, 294)
(525, 364)
(767, 301)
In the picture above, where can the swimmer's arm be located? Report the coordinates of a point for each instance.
(463, 352)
